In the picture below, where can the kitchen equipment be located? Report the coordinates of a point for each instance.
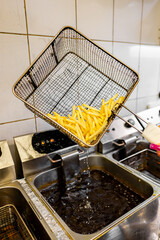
(146, 162)
(33, 161)
(15, 211)
(151, 132)
(12, 225)
(124, 131)
(50, 141)
(18, 215)
(142, 218)
(73, 70)
(7, 166)
(134, 150)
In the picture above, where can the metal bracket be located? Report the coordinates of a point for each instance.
(69, 163)
(137, 117)
(125, 141)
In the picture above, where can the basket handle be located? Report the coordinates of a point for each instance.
(137, 117)
(151, 133)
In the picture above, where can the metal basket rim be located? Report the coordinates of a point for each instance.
(19, 216)
(54, 123)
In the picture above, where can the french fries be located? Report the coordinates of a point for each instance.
(87, 122)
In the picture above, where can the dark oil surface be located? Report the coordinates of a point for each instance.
(92, 202)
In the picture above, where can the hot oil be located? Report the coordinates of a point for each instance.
(93, 201)
(88, 204)
(87, 161)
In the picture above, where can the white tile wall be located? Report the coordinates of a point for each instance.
(12, 16)
(95, 18)
(42, 125)
(127, 53)
(11, 130)
(37, 44)
(15, 129)
(127, 22)
(131, 104)
(143, 102)
(47, 17)
(149, 71)
(151, 22)
(128, 29)
(107, 46)
(13, 62)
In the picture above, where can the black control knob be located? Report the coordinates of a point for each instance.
(131, 121)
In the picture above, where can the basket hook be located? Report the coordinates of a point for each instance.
(137, 117)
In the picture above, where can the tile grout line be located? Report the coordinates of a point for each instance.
(140, 39)
(25, 10)
(20, 120)
(25, 34)
(76, 12)
(113, 28)
(99, 40)
(14, 33)
(29, 50)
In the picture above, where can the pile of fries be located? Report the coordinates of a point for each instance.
(87, 122)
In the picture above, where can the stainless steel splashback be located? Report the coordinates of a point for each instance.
(7, 167)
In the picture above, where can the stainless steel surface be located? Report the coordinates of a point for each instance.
(138, 157)
(128, 150)
(128, 122)
(71, 165)
(33, 162)
(118, 130)
(143, 222)
(146, 162)
(25, 149)
(44, 163)
(123, 156)
(125, 141)
(143, 225)
(12, 225)
(143, 218)
(13, 193)
(7, 167)
(69, 162)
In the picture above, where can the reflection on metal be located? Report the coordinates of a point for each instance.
(13, 194)
(128, 122)
(143, 221)
(7, 168)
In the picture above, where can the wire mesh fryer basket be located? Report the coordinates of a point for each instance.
(73, 70)
(12, 225)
